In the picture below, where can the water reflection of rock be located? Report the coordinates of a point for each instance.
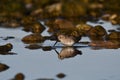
(7, 53)
(8, 37)
(110, 44)
(3, 67)
(33, 46)
(68, 52)
(45, 79)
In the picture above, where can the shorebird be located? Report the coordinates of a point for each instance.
(67, 40)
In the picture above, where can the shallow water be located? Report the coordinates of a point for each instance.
(35, 64)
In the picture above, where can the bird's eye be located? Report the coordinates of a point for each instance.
(60, 36)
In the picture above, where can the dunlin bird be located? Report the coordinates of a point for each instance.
(67, 40)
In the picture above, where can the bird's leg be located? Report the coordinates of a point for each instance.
(56, 51)
(55, 43)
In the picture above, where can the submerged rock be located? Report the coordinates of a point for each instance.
(33, 38)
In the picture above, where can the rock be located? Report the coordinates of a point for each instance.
(6, 48)
(19, 76)
(97, 33)
(3, 67)
(114, 35)
(71, 8)
(37, 27)
(33, 38)
(83, 28)
(63, 24)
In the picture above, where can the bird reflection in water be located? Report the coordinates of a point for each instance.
(68, 52)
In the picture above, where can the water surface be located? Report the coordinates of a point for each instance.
(35, 64)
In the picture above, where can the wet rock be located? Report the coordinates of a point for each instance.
(50, 24)
(3, 67)
(63, 24)
(83, 28)
(37, 27)
(19, 76)
(114, 18)
(59, 24)
(61, 75)
(36, 12)
(27, 22)
(95, 8)
(54, 9)
(11, 24)
(68, 52)
(6, 48)
(30, 23)
(114, 35)
(97, 33)
(33, 38)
